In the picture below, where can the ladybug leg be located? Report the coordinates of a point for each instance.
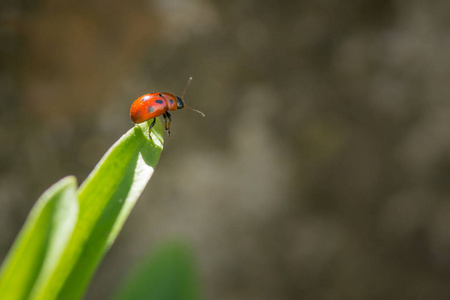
(168, 123)
(165, 121)
(150, 128)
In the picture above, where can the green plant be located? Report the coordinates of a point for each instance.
(167, 273)
(69, 230)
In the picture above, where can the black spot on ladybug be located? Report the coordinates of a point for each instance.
(159, 101)
(171, 101)
(160, 95)
(150, 109)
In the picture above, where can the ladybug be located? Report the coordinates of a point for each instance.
(152, 105)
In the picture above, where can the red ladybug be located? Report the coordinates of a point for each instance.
(150, 106)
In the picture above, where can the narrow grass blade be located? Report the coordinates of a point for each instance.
(40, 243)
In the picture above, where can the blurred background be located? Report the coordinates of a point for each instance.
(321, 170)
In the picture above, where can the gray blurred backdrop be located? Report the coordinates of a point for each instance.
(320, 172)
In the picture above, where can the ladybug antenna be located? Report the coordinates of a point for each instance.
(186, 87)
(196, 110)
(182, 97)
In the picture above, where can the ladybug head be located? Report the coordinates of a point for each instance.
(180, 103)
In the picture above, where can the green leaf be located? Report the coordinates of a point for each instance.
(166, 274)
(106, 198)
(59, 249)
(41, 242)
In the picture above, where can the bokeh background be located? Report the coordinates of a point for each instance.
(322, 168)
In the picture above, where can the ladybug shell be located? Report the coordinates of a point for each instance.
(152, 105)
